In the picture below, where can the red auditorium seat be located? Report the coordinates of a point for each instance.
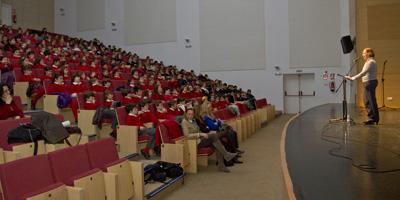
(176, 148)
(30, 177)
(17, 150)
(127, 136)
(103, 155)
(71, 166)
(118, 83)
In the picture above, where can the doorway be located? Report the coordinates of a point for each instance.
(299, 92)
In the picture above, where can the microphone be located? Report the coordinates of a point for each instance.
(356, 59)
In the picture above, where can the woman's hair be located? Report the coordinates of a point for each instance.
(206, 109)
(2, 91)
(370, 52)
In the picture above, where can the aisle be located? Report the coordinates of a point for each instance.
(260, 176)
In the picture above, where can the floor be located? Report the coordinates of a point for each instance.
(260, 176)
(344, 160)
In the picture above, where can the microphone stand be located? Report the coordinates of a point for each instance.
(383, 84)
(344, 84)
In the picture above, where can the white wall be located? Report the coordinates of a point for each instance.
(264, 83)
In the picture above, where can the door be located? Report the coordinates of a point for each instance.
(299, 92)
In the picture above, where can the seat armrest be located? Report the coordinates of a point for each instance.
(11, 156)
(75, 193)
(137, 170)
(111, 183)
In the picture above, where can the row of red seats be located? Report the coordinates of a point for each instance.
(80, 166)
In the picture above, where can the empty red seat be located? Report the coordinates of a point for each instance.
(27, 177)
(70, 164)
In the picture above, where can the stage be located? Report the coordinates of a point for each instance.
(343, 160)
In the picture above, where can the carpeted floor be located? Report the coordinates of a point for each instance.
(260, 176)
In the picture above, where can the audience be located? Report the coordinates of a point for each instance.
(192, 131)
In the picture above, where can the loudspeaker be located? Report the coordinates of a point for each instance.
(347, 44)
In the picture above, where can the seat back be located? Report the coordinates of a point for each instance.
(102, 152)
(69, 162)
(17, 100)
(121, 115)
(38, 72)
(81, 100)
(24, 176)
(228, 114)
(261, 103)
(169, 131)
(118, 83)
(118, 96)
(242, 108)
(6, 127)
(17, 74)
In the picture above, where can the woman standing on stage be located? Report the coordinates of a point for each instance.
(368, 76)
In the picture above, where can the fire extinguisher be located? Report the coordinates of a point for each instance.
(14, 15)
(332, 86)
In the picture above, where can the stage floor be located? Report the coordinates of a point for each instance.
(341, 160)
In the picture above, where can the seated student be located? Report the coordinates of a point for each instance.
(7, 74)
(172, 110)
(222, 103)
(48, 74)
(106, 113)
(181, 105)
(192, 131)
(109, 100)
(107, 84)
(58, 85)
(133, 118)
(232, 106)
(77, 85)
(161, 112)
(146, 116)
(35, 90)
(56, 66)
(116, 75)
(167, 95)
(96, 86)
(65, 73)
(8, 108)
(129, 97)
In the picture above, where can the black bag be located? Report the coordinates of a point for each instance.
(154, 173)
(173, 170)
(159, 171)
(25, 133)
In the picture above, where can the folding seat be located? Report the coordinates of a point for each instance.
(175, 148)
(17, 150)
(127, 136)
(118, 96)
(85, 118)
(125, 75)
(232, 119)
(50, 104)
(244, 115)
(103, 155)
(38, 72)
(20, 87)
(71, 166)
(118, 83)
(31, 179)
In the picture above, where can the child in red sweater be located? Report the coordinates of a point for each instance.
(133, 118)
